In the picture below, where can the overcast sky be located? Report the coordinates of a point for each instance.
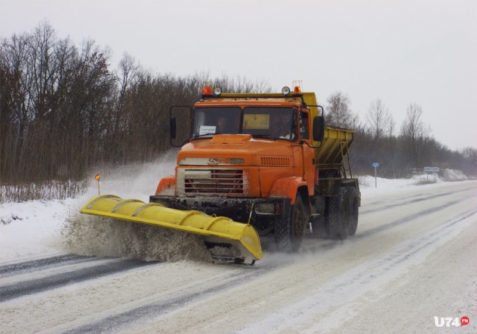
(401, 51)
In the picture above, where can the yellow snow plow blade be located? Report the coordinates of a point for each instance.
(215, 230)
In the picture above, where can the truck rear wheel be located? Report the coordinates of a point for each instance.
(319, 228)
(353, 210)
(338, 212)
(289, 231)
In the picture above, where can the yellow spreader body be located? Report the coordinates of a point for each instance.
(241, 238)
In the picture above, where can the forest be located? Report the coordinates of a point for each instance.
(65, 109)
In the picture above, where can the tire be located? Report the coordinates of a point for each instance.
(289, 230)
(352, 199)
(338, 212)
(319, 230)
(319, 227)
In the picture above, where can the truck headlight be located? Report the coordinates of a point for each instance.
(265, 208)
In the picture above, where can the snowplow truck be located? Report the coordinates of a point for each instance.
(256, 168)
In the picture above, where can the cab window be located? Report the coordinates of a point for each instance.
(304, 125)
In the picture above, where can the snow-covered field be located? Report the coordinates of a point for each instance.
(37, 228)
(412, 260)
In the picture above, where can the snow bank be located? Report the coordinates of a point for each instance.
(453, 175)
(32, 229)
(445, 175)
(392, 186)
(421, 179)
(370, 188)
(387, 186)
(43, 228)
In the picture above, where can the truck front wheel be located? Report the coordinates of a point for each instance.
(289, 229)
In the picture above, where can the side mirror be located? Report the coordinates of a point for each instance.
(181, 120)
(172, 128)
(318, 128)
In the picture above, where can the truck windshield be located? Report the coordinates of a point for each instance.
(265, 122)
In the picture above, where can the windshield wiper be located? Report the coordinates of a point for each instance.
(270, 138)
(205, 135)
(262, 136)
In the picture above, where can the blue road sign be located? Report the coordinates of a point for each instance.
(375, 164)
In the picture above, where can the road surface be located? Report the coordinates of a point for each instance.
(412, 259)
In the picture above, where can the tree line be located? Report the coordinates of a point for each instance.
(64, 110)
(400, 151)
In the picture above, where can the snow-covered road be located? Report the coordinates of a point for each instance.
(413, 259)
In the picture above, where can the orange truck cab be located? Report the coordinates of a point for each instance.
(268, 160)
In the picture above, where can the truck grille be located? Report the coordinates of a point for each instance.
(275, 161)
(214, 181)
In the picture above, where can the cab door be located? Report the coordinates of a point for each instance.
(307, 152)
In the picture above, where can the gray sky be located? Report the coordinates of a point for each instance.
(402, 51)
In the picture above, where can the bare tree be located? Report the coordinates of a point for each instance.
(380, 120)
(413, 126)
(338, 112)
(391, 127)
(413, 134)
(470, 160)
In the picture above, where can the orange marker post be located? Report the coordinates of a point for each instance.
(98, 178)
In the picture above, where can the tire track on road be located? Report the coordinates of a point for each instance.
(16, 290)
(406, 219)
(342, 292)
(42, 263)
(415, 199)
(122, 319)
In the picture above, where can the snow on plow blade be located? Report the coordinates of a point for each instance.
(242, 238)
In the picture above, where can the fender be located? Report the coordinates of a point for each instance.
(166, 183)
(287, 187)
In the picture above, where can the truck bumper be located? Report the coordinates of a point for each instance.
(260, 211)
